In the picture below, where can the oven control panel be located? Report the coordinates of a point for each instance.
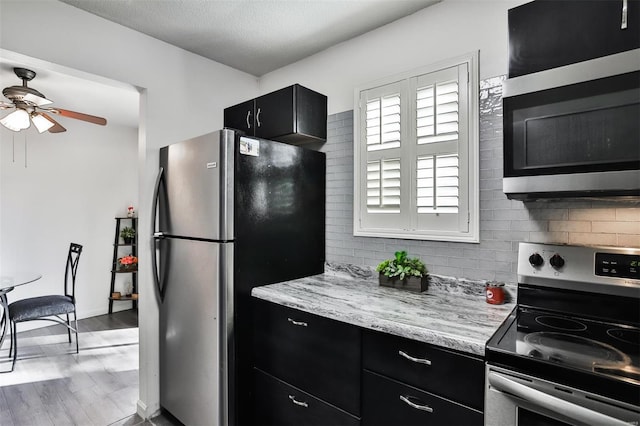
(608, 270)
(618, 265)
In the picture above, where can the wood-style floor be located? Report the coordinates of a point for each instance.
(52, 385)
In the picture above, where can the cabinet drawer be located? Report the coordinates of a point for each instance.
(279, 404)
(387, 402)
(449, 374)
(316, 354)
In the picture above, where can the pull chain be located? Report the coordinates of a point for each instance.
(13, 149)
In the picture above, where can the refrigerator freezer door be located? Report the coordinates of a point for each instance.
(197, 198)
(192, 385)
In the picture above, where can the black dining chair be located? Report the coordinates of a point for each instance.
(50, 307)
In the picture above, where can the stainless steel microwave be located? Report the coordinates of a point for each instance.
(574, 131)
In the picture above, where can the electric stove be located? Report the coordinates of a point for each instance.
(575, 331)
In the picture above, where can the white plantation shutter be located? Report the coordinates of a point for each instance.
(383, 122)
(437, 112)
(441, 150)
(437, 184)
(383, 186)
(383, 167)
(416, 154)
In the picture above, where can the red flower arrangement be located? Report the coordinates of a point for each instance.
(128, 262)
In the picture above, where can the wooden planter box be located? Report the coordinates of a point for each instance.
(415, 284)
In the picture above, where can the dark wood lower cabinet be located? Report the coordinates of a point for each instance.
(316, 354)
(451, 375)
(389, 403)
(311, 370)
(280, 404)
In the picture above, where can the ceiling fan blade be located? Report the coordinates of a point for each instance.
(79, 116)
(4, 105)
(36, 100)
(41, 123)
(56, 128)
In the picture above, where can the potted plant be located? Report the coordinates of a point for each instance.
(403, 272)
(128, 234)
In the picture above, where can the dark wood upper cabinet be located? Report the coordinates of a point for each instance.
(241, 117)
(546, 34)
(294, 115)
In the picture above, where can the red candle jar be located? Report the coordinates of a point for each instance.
(495, 293)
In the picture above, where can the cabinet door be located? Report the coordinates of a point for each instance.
(279, 404)
(311, 116)
(455, 376)
(550, 34)
(275, 115)
(387, 402)
(315, 354)
(241, 117)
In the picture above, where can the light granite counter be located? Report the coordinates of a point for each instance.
(451, 313)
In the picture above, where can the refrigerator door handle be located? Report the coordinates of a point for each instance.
(157, 235)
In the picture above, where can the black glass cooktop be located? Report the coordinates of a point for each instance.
(580, 352)
(595, 346)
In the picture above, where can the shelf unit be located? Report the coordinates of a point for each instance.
(117, 245)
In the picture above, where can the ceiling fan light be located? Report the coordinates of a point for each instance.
(17, 120)
(41, 123)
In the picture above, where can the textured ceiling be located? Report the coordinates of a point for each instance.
(255, 36)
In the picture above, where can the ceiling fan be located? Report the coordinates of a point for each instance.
(31, 106)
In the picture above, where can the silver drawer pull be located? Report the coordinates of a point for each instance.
(426, 408)
(300, 323)
(418, 360)
(300, 403)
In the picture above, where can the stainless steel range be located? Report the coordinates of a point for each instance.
(569, 353)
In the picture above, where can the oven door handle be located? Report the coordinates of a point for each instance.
(551, 403)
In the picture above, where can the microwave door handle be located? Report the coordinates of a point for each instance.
(156, 235)
(551, 403)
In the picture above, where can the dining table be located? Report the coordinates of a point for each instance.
(9, 282)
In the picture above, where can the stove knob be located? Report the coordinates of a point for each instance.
(556, 261)
(536, 260)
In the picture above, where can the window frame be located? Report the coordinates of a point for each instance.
(470, 173)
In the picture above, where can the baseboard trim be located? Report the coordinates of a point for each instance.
(143, 411)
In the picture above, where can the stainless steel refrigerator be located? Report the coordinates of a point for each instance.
(233, 212)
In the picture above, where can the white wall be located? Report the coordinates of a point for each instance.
(62, 188)
(439, 32)
(183, 95)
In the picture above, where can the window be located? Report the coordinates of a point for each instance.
(416, 154)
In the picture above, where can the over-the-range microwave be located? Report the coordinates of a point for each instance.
(574, 131)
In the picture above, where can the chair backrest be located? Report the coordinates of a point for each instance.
(71, 268)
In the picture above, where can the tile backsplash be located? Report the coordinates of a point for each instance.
(503, 222)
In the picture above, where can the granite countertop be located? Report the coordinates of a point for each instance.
(452, 313)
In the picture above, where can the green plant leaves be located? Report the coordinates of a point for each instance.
(402, 266)
(127, 232)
